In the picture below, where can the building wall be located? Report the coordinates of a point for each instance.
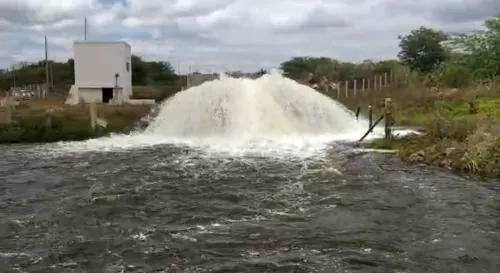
(96, 64)
(120, 94)
(90, 94)
(127, 77)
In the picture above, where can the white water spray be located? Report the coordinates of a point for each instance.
(270, 107)
(271, 113)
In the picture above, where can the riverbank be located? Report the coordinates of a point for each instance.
(51, 121)
(461, 126)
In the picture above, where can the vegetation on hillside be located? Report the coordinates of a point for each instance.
(460, 112)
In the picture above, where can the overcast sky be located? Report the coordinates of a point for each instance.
(215, 35)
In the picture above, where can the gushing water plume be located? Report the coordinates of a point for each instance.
(269, 107)
(271, 115)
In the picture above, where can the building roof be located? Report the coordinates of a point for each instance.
(101, 42)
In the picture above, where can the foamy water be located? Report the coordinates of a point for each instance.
(293, 145)
(245, 110)
(269, 115)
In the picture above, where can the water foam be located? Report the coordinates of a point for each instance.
(236, 116)
(244, 109)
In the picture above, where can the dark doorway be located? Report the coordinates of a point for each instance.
(107, 94)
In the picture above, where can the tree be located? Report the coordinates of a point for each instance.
(302, 68)
(261, 72)
(298, 67)
(139, 73)
(422, 49)
(154, 72)
(479, 50)
(161, 72)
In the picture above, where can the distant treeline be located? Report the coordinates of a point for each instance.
(300, 68)
(162, 73)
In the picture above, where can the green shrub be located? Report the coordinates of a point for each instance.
(452, 76)
(491, 160)
(44, 129)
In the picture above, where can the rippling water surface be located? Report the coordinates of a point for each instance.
(175, 209)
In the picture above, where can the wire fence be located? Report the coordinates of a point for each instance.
(30, 91)
(349, 88)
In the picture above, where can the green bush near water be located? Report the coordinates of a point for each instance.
(40, 129)
(457, 137)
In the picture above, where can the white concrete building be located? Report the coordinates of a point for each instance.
(103, 72)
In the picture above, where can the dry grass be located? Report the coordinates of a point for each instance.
(418, 99)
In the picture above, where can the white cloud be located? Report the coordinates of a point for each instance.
(229, 34)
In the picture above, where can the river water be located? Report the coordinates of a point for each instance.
(172, 208)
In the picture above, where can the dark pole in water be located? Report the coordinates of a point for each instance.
(388, 117)
(371, 128)
(370, 116)
(357, 112)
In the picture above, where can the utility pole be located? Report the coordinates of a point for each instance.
(14, 75)
(51, 75)
(85, 30)
(47, 80)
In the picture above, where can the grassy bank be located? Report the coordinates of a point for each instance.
(50, 121)
(462, 126)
